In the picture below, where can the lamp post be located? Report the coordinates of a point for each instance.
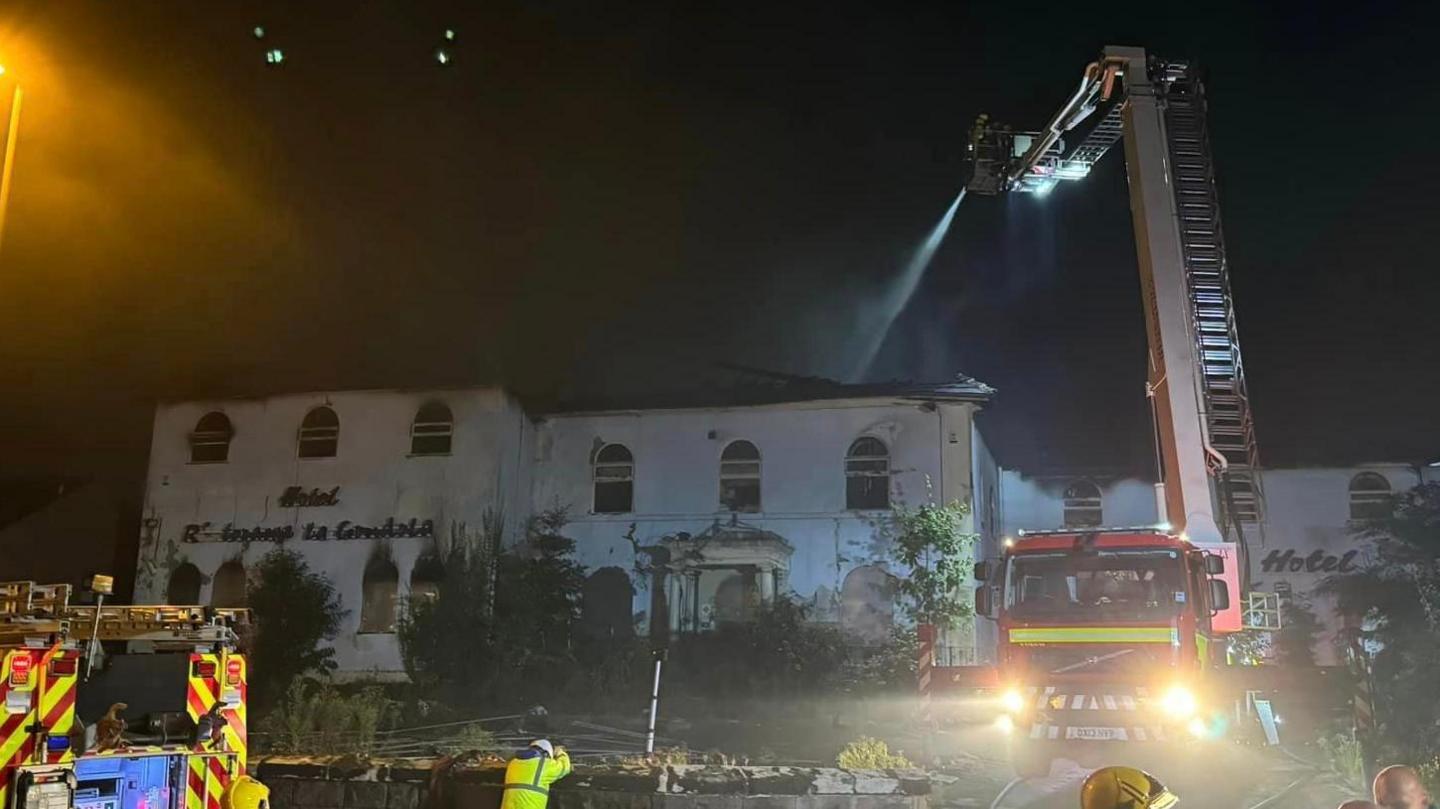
(7, 169)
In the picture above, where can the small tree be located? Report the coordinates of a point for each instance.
(928, 542)
(515, 636)
(295, 609)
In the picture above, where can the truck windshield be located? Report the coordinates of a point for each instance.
(1119, 585)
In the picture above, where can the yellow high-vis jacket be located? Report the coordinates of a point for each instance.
(529, 775)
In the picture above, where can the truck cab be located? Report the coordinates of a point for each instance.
(1105, 637)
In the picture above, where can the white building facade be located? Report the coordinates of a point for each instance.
(1311, 515)
(697, 512)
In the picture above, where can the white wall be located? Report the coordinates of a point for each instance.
(803, 448)
(377, 478)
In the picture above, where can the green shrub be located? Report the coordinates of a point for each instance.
(867, 753)
(471, 737)
(317, 719)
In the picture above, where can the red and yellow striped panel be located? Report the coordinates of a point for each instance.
(206, 778)
(22, 666)
(59, 675)
(229, 680)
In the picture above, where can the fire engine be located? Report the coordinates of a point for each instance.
(183, 702)
(1109, 635)
(1105, 637)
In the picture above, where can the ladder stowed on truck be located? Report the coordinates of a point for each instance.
(50, 654)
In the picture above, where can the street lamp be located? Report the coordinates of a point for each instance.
(7, 169)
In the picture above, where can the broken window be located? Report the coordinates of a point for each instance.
(614, 480)
(378, 591)
(607, 604)
(184, 585)
(228, 587)
(867, 475)
(1083, 507)
(432, 430)
(319, 433)
(210, 443)
(1370, 497)
(740, 477)
(425, 578)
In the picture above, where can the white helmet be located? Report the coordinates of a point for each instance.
(545, 745)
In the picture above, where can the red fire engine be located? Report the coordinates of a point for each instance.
(184, 702)
(1104, 637)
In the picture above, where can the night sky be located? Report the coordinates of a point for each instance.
(598, 198)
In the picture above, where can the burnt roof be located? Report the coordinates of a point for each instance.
(755, 386)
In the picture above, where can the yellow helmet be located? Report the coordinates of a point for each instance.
(245, 792)
(1124, 788)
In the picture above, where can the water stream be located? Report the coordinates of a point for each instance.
(889, 305)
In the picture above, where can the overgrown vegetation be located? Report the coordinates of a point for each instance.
(930, 546)
(1398, 594)
(866, 753)
(316, 719)
(295, 608)
(508, 628)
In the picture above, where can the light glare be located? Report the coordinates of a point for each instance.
(1012, 701)
(1178, 702)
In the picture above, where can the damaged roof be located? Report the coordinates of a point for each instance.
(755, 386)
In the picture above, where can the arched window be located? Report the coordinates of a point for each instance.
(1082, 505)
(740, 477)
(210, 443)
(425, 578)
(319, 433)
(228, 587)
(432, 430)
(1370, 496)
(606, 604)
(184, 586)
(867, 603)
(614, 480)
(378, 590)
(867, 475)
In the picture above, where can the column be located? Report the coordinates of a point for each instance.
(767, 586)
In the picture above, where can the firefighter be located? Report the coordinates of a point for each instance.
(245, 793)
(1124, 788)
(530, 773)
(1399, 787)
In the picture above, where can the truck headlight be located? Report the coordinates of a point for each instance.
(1178, 703)
(1012, 701)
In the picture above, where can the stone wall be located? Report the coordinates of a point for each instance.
(341, 784)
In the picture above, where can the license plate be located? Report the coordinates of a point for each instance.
(1096, 734)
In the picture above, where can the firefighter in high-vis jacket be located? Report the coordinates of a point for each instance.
(1124, 788)
(530, 773)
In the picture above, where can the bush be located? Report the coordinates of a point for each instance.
(471, 737)
(866, 753)
(777, 655)
(295, 610)
(316, 719)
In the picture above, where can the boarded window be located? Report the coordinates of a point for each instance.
(210, 443)
(228, 588)
(614, 480)
(867, 475)
(1083, 507)
(378, 591)
(319, 434)
(607, 604)
(867, 603)
(1370, 497)
(184, 586)
(432, 430)
(740, 477)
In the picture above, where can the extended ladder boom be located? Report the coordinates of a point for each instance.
(31, 612)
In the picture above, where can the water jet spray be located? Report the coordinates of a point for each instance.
(894, 301)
